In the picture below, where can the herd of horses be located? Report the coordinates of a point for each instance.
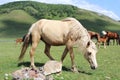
(67, 32)
(105, 38)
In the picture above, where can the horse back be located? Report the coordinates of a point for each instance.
(112, 35)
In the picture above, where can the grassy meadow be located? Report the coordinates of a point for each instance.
(108, 61)
(15, 20)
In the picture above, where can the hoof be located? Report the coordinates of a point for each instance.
(33, 67)
(59, 73)
(74, 69)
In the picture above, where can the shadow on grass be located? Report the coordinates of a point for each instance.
(27, 64)
(79, 71)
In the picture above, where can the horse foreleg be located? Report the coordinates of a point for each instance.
(108, 41)
(98, 43)
(113, 41)
(74, 69)
(64, 54)
(16, 43)
(104, 44)
(47, 51)
(117, 41)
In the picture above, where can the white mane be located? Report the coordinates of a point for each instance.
(78, 32)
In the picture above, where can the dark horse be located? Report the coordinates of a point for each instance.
(114, 36)
(94, 35)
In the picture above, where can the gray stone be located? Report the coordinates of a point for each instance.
(43, 73)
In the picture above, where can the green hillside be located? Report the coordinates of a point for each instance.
(16, 17)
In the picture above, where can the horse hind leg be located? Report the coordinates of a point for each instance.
(117, 41)
(47, 51)
(35, 41)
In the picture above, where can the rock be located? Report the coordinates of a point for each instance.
(52, 67)
(28, 73)
(43, 73)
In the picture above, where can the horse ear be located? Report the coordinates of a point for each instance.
(88, 44)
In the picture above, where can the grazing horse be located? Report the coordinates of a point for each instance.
(66, 32)
(18, 40)
(112, 35)
(94, 35)
(103, 40)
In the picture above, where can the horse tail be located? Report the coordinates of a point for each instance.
(27, 40)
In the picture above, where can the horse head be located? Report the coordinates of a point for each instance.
(90, 54)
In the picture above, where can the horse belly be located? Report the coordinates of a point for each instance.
(54, 35)
(56, 41)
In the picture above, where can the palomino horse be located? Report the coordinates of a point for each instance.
(102, 40)
(112, 35)
(94, 35)
(60, 32)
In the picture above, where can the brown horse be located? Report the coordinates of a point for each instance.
(18, 40)
(112, 35)
(102, 40)
(66, 32)
(94, 35)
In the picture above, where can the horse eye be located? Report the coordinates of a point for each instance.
(89, 53)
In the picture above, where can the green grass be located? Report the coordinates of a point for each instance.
(16, 21)
(108, 61)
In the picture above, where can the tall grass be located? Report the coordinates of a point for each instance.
(108, 61)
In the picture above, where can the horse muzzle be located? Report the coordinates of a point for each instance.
(93, 67)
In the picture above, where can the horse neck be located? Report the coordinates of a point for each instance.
(81, 35)
(82, 42)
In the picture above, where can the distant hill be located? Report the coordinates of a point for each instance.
(16, 17)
